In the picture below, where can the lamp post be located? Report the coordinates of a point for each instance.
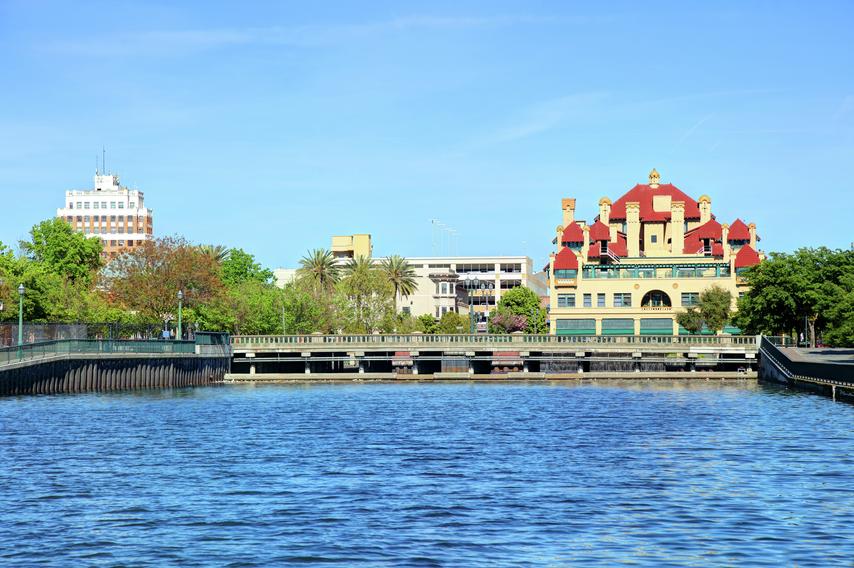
(20, 320)
(180, 307)
(469, 279)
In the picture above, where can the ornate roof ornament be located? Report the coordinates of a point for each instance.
(654, 178)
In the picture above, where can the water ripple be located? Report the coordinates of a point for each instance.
(637, 473)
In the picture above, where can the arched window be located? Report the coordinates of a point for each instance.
(655, 298)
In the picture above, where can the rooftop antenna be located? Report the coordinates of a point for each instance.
(104, 159)
(96, 165)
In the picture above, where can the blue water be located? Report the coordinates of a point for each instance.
(457, 475)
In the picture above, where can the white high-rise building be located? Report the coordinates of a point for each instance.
(114, 213)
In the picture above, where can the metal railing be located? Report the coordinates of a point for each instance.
(828, 372)
(214, 344)
(484, 340)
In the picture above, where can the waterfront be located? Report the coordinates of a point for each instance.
(430, 474)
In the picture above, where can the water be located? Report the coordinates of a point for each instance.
(645, 473)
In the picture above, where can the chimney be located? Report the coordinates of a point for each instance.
(677, 227)
(633, 228)
(752, 228)
(605, 210)
(568, 206)
(705, 204)
(585, 249)
(725, 241)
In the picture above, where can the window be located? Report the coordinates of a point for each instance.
(600, 300)
(78, 205)
(622, 300)
(121, 229)
(86, 205)
(566, 274)
(112, 243)
(112, 204)
(566, 300)
(113, 230)
(443, 289)
(121, 205)
(437, 312)
(588, 300)
(653, 238)
(690, 298)
(95, 205)
(103, 205)
(86, 218)
(71, 206)
(121, 243)
(405, 309)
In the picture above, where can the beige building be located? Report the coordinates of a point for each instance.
(450, 284)
(645, 258)
(114, 213)
(351, 246)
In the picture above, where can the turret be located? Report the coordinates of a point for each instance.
(633, 228)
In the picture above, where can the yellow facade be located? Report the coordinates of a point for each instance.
(646, 258)
(351, 246)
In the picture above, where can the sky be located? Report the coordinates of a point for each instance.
(272, 126)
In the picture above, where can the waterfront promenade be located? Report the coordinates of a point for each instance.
(488, 356)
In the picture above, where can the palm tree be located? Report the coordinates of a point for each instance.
(320, 268)
(219, 253)
(401, 274)
(358, 266)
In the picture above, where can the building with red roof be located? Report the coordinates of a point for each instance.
(644, 258)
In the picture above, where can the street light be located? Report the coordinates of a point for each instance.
(20, 319)
(180, 306)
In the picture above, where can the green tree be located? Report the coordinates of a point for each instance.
(426, 323)
(240, 267)
(401, 274)
(63, 251)
(218, 253)
(320, 269)
(691, 319)
(811, 285)
(364, 298)
(524, 302)
(715, 307)
(452, 322)
(303, 313)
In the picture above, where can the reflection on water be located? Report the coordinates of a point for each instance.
(653, 472)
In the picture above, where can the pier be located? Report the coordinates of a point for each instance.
(826, 371)
(488, 356)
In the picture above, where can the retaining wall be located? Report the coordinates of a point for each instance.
(104, 373)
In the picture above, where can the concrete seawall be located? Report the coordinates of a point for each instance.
(72, 373)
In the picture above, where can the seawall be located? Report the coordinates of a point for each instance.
(73, 373)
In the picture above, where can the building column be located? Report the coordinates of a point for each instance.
(307, 367)
(252, 368)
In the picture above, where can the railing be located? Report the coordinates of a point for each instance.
(215, 344)
(521, 340)
(829, 372)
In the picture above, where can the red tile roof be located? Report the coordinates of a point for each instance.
(746, 256)
(599, 231)
(643, 194)
(738, 231)
(619, 248)
(566, 259)
(711, 229)
(573, 234)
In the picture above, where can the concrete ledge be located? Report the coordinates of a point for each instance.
(516, 376)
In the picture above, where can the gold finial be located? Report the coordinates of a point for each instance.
(654, 178)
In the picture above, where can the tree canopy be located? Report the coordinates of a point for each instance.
(519, 309)
(815, 285)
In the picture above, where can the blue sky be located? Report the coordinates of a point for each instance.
(272, 126)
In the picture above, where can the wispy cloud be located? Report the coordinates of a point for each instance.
(546, 115)
(693, 129)
(157, 42)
